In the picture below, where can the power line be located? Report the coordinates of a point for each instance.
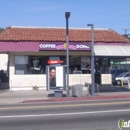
(125, 30)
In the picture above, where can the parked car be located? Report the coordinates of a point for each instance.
(0, 83)
(115, 73)
(122, 77)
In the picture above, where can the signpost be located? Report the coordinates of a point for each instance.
(92, 60)
(67, 15)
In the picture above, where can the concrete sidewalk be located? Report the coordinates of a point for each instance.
(107, 92)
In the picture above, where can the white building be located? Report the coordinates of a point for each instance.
(3, 62)
(24, 44)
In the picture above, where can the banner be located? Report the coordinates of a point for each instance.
(55, 77)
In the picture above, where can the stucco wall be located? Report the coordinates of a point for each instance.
(27, 82)
(106, 79)
(3, 61)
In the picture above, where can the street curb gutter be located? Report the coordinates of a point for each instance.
(65, 99)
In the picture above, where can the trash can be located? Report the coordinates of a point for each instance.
(58, 94)
(77, 90)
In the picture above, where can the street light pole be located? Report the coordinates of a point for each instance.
(67, 15)
(92, 60)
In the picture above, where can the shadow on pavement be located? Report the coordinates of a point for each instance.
(53, 95)
(103, 89)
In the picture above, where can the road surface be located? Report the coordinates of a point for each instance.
(83, 115)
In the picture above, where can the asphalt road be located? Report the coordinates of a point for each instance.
(85, 115)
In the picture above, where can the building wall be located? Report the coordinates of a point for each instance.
(3, 61)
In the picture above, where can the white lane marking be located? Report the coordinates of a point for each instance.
(65, 114)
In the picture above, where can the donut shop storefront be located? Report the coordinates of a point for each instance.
(29, 50)
(28, 68)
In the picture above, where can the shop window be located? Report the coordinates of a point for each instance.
(120, 64)
(105, 66)
(28, 65)
(54, 58)
(85, 63)
(21, 65)
(36, 64)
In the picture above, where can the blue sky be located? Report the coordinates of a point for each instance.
(113, 14)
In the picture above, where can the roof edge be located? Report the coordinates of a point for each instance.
(57, 27)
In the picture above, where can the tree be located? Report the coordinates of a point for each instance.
(1, 29)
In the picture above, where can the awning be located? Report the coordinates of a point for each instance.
(108, 50)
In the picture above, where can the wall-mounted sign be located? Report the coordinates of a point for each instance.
(55, 77)
(55, 62)
(62, 46)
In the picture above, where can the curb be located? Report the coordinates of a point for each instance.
(65, 99)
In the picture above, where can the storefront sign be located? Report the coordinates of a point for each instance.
(55, 61)
(62, 46)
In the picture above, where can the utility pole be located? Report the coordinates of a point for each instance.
(125, 29)
(92, 59)
(67, 15)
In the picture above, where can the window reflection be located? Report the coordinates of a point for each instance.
(37, 64)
